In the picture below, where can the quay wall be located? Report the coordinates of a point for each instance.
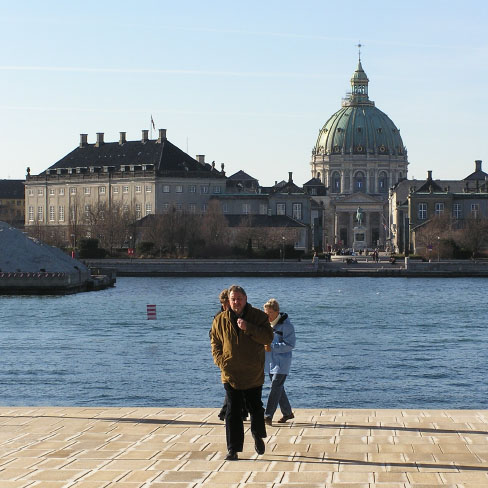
(264, 268)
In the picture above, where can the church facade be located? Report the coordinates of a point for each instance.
(359, 154)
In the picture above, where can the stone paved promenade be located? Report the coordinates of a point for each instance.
(184, 447)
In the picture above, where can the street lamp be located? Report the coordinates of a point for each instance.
(283, 248)
(73, 241)
(438, 248)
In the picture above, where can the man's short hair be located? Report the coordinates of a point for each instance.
(224, 296)
(273, 304)
(237, 289)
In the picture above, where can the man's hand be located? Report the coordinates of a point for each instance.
(242, 324)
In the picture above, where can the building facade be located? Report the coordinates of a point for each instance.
(12, 202)
(359, 154)
(124, 179)
(413, 204)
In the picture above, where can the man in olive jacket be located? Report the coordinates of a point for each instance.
(238, 337)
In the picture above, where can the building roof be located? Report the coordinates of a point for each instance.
(13, 189)
(241, 176)
(359, 127)
(262, 221)
(479, 174)
(166, 158)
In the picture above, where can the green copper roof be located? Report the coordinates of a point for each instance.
(359, 127)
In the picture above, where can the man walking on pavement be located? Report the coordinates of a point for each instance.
(238, 337)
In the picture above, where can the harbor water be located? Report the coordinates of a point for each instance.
(361, 343)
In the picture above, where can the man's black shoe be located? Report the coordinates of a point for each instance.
(231, 455)
(259, 445)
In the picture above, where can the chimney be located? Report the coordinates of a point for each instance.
(290, 179)
(478, 164)
(122, 139)
(429, 175)
(99, 139)
(83, 140)
(145, 135)
(162, 136)
(200, 158)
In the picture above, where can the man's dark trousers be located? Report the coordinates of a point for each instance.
(234, 426)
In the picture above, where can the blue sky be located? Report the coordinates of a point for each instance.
(248, 84)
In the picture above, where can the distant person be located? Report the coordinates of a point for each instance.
(278, 362)
(315, 261)
(238, 337)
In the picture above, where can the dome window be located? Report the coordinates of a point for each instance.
(382, 149)
(360, 129)
(337, 149)
(359, 149)
(380, 130)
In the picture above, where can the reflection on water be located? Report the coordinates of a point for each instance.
(361, 342)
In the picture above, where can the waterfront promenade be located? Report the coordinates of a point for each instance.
(54, 447)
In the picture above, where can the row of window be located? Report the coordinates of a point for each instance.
(297, 210)
(457, 210)
(87, 212)
(204, 189)
(359, 182)
(12, 202)
(87, 190)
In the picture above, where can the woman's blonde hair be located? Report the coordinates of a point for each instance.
(273, 304)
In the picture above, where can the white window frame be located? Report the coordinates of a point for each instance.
(204, 189)
(148, 208)
(217, 189)
(72, 190)
(138, 210)
(138, 188)
(52, 191)
(166, 189)
(61, 191)
(61, 213)
(457, 210)
(165, 207)
(225, 208)
(30, 192)
(125, 189)
(475, 210)
(52, 213)
(87, 190)
(102, 190)
(281, 209)
(246, 208)
(297, 209)
(40, 191)
(31, 213)
(192, 188)
(40, 213)
(439, 208)
(115, 189)
(192, 208)
(179, 189)
(148, 189)
(422, 211)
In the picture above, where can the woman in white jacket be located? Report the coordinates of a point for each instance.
(278, 361)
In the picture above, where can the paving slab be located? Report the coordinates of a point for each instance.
(125, 447)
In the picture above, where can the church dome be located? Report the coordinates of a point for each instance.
(359, 127)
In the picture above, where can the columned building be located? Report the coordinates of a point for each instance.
(359, 155)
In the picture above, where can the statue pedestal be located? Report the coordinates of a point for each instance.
(359, 243)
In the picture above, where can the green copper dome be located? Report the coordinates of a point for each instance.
(359, 127)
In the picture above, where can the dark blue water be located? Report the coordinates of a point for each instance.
(361, 342)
